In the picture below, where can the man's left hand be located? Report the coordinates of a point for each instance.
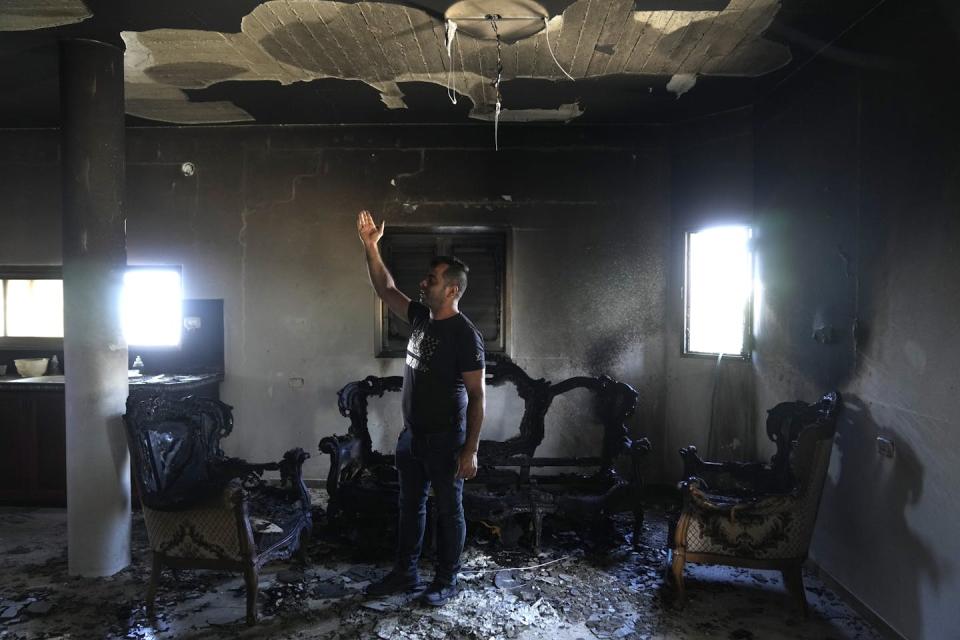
(466, 464)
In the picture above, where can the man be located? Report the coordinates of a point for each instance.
(443, 402)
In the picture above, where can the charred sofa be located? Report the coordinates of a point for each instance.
(512, 481)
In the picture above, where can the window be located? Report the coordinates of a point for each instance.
(151, 307)
(31, 306)
(408, 252)
(718, 292)
(35, 308)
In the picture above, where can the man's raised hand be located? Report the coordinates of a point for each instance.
(368, 230)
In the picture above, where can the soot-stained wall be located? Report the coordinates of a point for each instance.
(268, 223)
(858, 219)
(851, 182)
(710, 403)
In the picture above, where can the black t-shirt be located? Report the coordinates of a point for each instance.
(439, 351)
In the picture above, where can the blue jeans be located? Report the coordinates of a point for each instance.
(424, 460)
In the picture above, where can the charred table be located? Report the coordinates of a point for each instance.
(362, 483)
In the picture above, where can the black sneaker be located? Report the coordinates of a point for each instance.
(394, 582)
(438, 594)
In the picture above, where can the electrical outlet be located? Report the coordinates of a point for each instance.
(824, 335)
(885, 447)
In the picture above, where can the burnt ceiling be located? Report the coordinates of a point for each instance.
(321, 61)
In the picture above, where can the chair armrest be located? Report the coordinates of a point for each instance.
(345, 454)
(697, 498)
(743, 478)
(227, 469)
(251, 473)
(291, 475)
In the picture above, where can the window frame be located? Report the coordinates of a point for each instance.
(160, 267)
(746, 353)
(27, 272)
(55, 272)
(504, 343)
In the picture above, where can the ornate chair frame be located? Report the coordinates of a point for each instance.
(786, 492)
(188, 488)
(351, 454)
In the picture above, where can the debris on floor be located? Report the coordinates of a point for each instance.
(574, 588)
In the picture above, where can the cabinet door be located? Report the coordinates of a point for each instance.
(50, 448)
(13, 483)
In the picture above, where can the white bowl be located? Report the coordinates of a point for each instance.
(31, 367)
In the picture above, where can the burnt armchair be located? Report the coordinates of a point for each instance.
(202, 509)
(758, 515)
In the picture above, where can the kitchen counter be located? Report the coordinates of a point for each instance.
(33, 430)
(160, 382)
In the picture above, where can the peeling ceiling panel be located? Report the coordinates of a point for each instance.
(383, 44)
(169, 104)
(681, 83)
(386, 61)
(28, 15)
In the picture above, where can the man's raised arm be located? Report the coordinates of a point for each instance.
(380, 278)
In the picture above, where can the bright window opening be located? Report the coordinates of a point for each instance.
(151, 307)
(34, 308)
(719, 291)
(31, 305)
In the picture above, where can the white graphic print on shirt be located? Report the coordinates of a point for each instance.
(420, 350)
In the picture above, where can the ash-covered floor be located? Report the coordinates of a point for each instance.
(566, 592)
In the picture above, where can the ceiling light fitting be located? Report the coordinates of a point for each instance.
(516, 19)
(500, 20)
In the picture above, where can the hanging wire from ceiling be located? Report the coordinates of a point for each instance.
(496, 83)
(451, 30)
(451, 35)
(546, 34)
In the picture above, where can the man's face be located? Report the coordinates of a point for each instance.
(433, 288)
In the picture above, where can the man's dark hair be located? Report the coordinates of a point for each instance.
(456, 273)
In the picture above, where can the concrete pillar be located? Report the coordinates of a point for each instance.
(95, 353)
